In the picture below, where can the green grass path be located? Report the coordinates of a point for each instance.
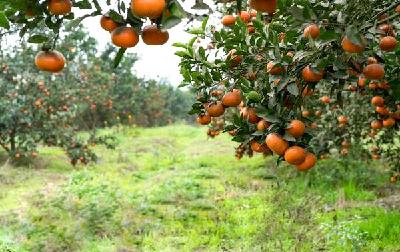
(172, 189)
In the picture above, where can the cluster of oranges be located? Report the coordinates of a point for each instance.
(275, 143)
(121, 35)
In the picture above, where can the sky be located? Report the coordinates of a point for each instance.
(155, 62)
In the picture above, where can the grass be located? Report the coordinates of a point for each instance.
(172, 189)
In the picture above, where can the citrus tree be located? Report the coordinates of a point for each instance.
(43, 21)
(298, 78)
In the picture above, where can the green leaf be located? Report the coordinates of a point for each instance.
(38, 39)
(119, 57)
(204, 23)
(4, 21)
(293, 89)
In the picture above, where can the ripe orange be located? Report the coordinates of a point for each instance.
(235, 59)
(147, 8)
(382, 110)
(274, 70)
(232, 99)
(228, 20)
(386, 28)
(388, 43)
(125, 37)
(50, 61)
(311, 75)
(350, 47)
(260, 148)
(305, 113)
(309, 161)
(204, 119)
(325, 99)
(215, 109)
(342, 119)
(398, 8)
(249, 114)
(345, 144)
(377, 101)
(108, 24)
(312, 31)
(268, 6)
(389, 122)
(314, 125)
(362, 82)
(253, 13)
(295, 155)
(262, 125)
(276, 143)
(376, 124)
(151, 35)
(374, 72)
(245, 16)
(296, 128)
(59, 7)
(307, 91)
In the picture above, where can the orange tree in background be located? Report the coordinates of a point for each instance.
(42, 109)
(300, 78)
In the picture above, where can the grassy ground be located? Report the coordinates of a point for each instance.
(171, 189)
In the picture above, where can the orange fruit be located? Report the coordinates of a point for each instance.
(124, 37)
(260, 148)
(314, 125)
(350, 47)
(108, 24)
(235, 59)
(376, 124)
(386, 28)
(274, 70)
(377, 101)
(325, 99)
(250, 28)
(268, 6)
(151, 35)
(249, 114)
(398, 8)
(307, 91)
(305, 113)
(262, 125)
(342, 119)
(311, 75)
(345, 144)
(374, 72)
(50, 61)
(253, 13)
(245, 16)
(389, 122)
(373, 85)
(215, 109)
(312, 30)
(296, 128)
(204, 119)
(59, 7)
(362, 82)
(295, 155)
(228, 20)
(309, 161)
(276, 143)
(232, 99)
(382, 110)
(148, 8)
(388, 43)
